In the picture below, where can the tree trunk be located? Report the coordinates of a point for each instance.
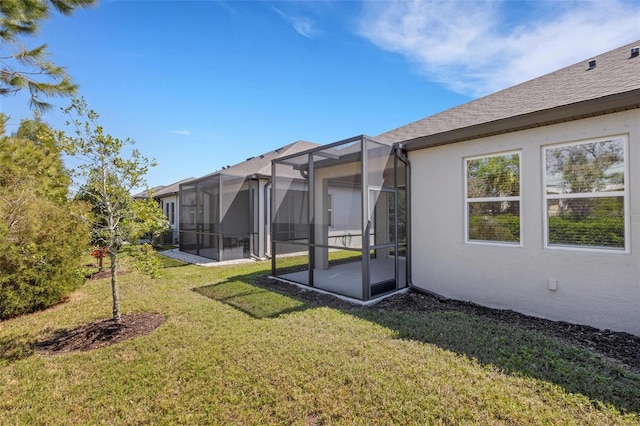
(114, 286)
(100, 262)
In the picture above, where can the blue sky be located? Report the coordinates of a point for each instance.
(204, 84)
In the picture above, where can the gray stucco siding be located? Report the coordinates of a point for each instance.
(595, 287)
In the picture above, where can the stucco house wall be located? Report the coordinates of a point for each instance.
(345, 228)
(166, 201)
(596, 287)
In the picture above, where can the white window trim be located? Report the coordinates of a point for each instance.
(490, 199)
(624, 194)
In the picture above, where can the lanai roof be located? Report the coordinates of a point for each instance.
(581, 90)
(261, 164)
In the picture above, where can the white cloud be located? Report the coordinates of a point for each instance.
(181, 132)
(473, 49)
(303, 25)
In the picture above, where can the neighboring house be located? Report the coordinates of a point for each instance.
(226, 215)
(527, 199)
(145, 194)
(168, 197)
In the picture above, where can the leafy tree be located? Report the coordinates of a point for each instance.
(22, 68)
(585, 168)
(491, 177)
(107, 179)
(496, 176)
(42, 235)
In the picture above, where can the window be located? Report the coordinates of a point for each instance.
(585, 194)
(329, 210)
(493, 198)
(170, 212)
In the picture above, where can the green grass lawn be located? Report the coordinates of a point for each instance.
(232, 352)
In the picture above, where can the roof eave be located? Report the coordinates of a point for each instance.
(576, 111)
(166, 194)
(259, 176)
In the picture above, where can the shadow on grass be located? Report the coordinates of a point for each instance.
(244, 294)
(510, 348)
(169, 262)
(517, 351)
(176, 264)
(14, 348)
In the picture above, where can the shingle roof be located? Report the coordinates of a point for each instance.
(145, 194)
(170, 189)
(570, 93)
(162, 190)
(261, 165)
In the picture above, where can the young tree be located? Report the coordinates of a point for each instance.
(107, 179)
(22, 68)
(42, 235)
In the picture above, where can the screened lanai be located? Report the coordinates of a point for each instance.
(217, 219)
(342, 208)
(226, 214)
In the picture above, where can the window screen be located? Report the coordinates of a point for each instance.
(585, 194)
(493, 198)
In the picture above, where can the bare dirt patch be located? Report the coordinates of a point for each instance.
(615, 346)
(100, 333)
(104, 274)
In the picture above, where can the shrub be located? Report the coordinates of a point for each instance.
(505, 227)
(592, 232)
(42, 238)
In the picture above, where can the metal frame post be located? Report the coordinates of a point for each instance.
(395, 219)
(311, 216)
(272, 216)
(366, 224)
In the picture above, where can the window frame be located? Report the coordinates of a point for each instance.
(584, 195)
(468, 200)
(169, 211)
